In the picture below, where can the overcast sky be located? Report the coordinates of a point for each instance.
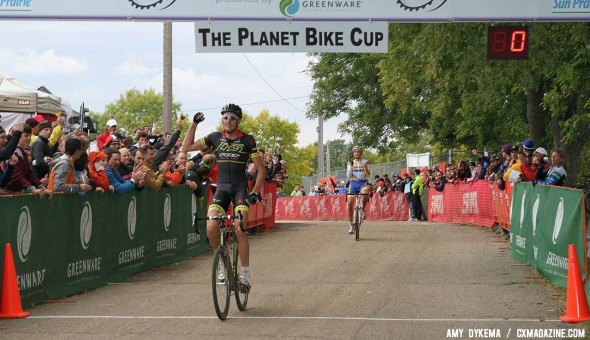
(96, 62)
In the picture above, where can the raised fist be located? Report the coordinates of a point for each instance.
(198, 117)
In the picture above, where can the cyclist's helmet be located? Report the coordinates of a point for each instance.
(357, 148)
(232, 108)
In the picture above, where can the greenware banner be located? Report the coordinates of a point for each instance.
(71, 243)
(544, 221)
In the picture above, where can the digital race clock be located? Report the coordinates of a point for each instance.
(508, 43)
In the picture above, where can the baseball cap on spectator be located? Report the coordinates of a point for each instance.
(111, 122)
(528, 144)
(507, 148)
(542, 151)
(109, 140)
(44, 125)
(31, 122)
(191, 176)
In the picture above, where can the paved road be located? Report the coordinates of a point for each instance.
(402, 280)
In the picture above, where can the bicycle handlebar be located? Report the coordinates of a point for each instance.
(355, 195)
(221, 218)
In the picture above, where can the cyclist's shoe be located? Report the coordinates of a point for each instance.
(364, 215)
(221, 275)
(244, 286)
(351, 229)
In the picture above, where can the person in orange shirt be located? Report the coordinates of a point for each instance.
(176, 170)
(63, 174)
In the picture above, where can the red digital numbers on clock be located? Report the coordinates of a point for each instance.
(508, 43)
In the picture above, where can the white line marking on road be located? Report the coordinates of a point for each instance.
(283, 318)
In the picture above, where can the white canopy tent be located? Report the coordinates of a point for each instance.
(18, 97)
(48, 103)
(19, 102)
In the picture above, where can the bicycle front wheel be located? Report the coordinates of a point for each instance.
(220, 282)
(357, 222)
(241, 298)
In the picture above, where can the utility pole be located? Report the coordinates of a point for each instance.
(328, 160)
(320, 144)
(167, 105)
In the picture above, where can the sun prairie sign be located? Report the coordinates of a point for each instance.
(304, 10)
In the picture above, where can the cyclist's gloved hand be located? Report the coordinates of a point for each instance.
(198, 117)
(254, 197)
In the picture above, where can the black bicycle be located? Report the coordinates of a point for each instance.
(226, 268)
(357, 214)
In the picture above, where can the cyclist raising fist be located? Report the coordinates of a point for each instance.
(232, 149)
(358, 171)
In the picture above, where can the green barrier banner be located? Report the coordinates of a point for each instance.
(33, 249)
(86, 261)
(544, 221)
(71, 243)
(521, 232)
(130, 241)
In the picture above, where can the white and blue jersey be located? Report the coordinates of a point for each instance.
(357, 173)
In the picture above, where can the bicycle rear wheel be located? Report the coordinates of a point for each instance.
(220, 288)
(357, 222)
(241, 298)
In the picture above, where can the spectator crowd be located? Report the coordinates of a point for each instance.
(36, 157)
(524, 162)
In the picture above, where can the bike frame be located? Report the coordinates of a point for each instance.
(229, 242)
(228, 254)
(357, 218)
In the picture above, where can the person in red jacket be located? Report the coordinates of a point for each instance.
(101, 140)
(537, 168)
(97, 164)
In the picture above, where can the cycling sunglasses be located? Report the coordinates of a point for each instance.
(229, 117)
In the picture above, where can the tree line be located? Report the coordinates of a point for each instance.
(435, 87)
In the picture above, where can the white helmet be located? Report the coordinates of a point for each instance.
(111, 122)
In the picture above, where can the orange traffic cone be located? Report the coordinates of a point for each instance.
(577, 305)
(10, 305)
